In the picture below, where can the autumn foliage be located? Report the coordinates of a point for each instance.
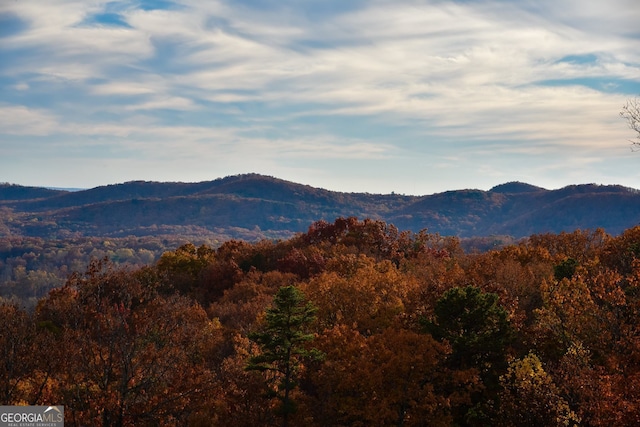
(353, 323)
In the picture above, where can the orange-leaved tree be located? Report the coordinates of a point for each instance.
(132, 356)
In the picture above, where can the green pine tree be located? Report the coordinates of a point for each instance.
(478, 329)
(282, 343)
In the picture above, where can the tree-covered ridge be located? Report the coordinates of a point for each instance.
(375, 326)
(258, 207)
(15, 192)
(31, 266)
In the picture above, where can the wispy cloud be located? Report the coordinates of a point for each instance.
(20, 120)
(287, 80)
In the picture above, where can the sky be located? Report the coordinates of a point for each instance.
(406, 96)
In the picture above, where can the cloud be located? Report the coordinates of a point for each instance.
(20, 120)
(164, 103)
(361, 80)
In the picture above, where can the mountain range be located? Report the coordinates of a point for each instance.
(255, 206)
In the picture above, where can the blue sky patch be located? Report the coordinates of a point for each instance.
(602, 84)
(589, 58)
(10, 24)
(112, 19)
(158, 5)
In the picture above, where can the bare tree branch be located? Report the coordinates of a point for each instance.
(631, 113)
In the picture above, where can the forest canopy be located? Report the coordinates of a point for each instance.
(386, 327)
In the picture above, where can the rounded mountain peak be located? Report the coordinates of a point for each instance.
(515, 187)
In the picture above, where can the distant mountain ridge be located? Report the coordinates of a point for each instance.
(265, 207)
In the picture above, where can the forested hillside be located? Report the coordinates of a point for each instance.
(255, 207)
(350, 323)
(31, 266)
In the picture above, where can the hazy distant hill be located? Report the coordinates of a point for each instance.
(19, 192)
(259, 206)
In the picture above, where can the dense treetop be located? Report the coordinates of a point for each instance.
(352, 323)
